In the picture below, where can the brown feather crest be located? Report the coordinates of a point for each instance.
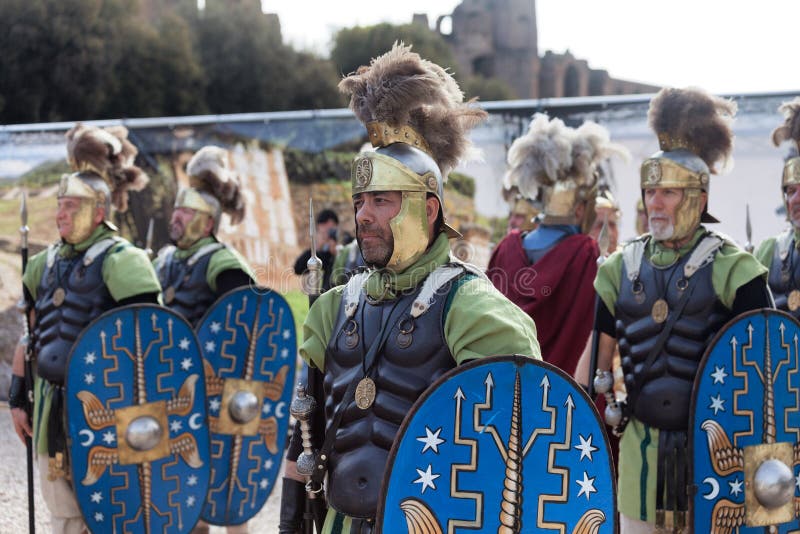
(790, 129)
(210, 172)
(400, 88)
(108, 153)
(695, 120)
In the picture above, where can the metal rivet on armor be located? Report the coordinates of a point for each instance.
(396, 131)
(407, 136)
(323, 457)
(416, 142)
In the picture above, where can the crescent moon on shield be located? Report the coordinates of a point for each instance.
(193, 424)
(89, 438)
(279, 409)
(711, 481)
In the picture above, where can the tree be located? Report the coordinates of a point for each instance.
(353, 47)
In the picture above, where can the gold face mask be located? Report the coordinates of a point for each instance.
(410, 231)
(687, 214)
(82, 222)
(193, 231)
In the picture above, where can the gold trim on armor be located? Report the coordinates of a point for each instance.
(791, 172)
(226, 423)
(664, 172)
(757, 515)
(382, 134)
(127, 454)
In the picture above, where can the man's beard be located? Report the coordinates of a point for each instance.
(380, 248)
(661, 229)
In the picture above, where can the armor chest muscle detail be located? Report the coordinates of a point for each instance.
(784, 276)
(660, 395)
(85, 296)
(192, 294)
(414, 356)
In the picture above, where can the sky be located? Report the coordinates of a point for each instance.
(722, 46)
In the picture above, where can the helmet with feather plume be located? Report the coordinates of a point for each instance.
(695, 135)
(104, 173)
(417, 120)
(559, 165)
(789, 131)
(214, 189)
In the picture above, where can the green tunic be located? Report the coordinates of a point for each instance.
(126, 271)
(766, 250)
(638, 447)
(479, 322)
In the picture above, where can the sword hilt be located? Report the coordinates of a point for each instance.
(302, 409)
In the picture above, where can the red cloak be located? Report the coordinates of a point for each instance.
(557, 292)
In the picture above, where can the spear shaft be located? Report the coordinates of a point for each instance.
(23, 230)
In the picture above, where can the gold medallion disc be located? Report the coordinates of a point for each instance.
(793, 301)
(169, 295)
(365, 393)
(660, 311)
(58, 296)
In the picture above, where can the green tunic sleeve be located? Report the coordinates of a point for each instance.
(225, 259)
(482, 322)
(127, 272)
(733, 268)
(765, 251)
(33, 272)
(609, 279)
(319, 326)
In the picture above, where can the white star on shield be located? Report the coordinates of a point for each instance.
(186, 363)
(719, 374)
(426, 479)
(431, 440)
(736, 486)
(184, 343)
(210, 346)
(587, 486)
(586, 447)
(215, 327)
(97, 497)
(717, 404)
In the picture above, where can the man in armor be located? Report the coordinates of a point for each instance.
(391, 331)
(89, 271)
(198, 269)
(779, 253)
(662, 299)
(549, 272)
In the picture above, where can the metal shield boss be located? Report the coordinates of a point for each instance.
(745, 428)
(503, 444)
(136, 422)
(250, 348)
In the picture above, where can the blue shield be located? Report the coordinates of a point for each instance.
(745, 427)
(502, 442)
(137, 430)
(250, 349)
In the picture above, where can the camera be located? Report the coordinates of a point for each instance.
(333, 234)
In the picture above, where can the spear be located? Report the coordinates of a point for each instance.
(23, 230)
(749, 230)
(312, 431)
(148, 246)
(313, 275)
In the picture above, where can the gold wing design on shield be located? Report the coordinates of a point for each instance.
(725, 458)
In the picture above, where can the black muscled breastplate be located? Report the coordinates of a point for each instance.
(784, 276)
(85, 296)
(660, 396)
(191, 296)
(402, 372)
